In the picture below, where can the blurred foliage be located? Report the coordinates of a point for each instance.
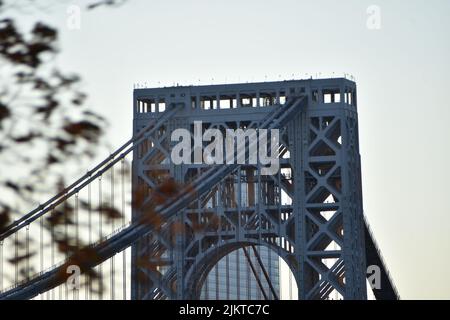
(46, 129)
(43, 120)
(106, 3)
(48, 133)
(44, 123)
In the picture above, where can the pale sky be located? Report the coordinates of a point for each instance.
(401, 71)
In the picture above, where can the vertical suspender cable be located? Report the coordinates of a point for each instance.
(124, 255)
(1, 265)
(89, 279)
(216, 269)
(238, 275)
(27, 251)
(100, 231)
(41, 246)
(202, 222)
(269, 263)
(219, 200)
(198, 223)
(77, 239)
(236, 252)
(278, 244)
(112, 227)
(227, 276)
(248, 280)
(52, 246)
(16, 254)
(261, 196)
(66, 239)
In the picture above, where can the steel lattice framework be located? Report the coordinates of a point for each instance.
(309, 212)
(319, 231)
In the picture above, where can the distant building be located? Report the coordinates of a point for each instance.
(232, 278)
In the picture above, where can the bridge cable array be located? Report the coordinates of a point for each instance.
(124, 237)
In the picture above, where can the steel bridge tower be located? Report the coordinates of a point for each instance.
(310, 212)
